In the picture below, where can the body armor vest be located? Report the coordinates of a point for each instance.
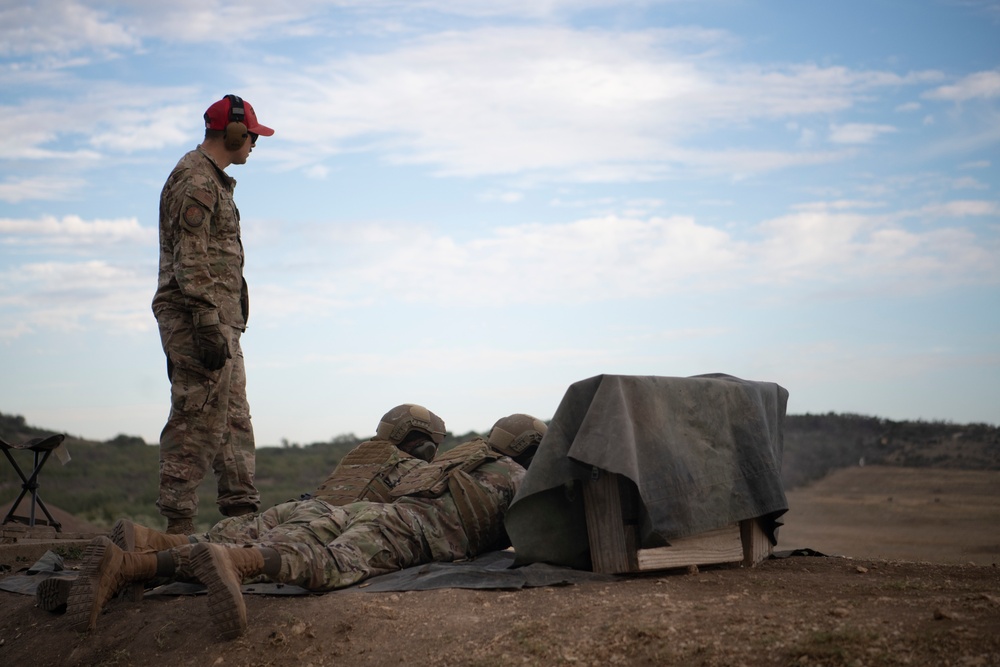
(478, 510)
(367, 472)
(430, 481)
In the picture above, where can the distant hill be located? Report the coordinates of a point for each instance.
(118, 477)
(818, 444)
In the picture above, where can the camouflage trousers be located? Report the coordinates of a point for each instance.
(208, 427)
(324, 547)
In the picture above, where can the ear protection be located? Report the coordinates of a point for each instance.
(236, 129)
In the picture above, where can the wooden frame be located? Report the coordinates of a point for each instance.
(611, 509)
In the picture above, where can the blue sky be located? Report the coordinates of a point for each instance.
(471, 205)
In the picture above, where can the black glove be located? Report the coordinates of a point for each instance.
(424, 451)
(213, 348)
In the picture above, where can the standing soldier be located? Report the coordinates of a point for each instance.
(201, 307)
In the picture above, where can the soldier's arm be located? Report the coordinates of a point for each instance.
(191, 256)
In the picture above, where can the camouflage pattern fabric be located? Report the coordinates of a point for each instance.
(370, 471)
(325, 547)
(201, 279)
(477, 509)
(431, 480)
(343, 484)
(208, 428)
(249, 528)
(201, 252)
(451, 471)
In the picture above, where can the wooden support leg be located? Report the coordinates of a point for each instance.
(612, 542)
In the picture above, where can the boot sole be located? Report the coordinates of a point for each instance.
(81, 606)
(123, 535)
(52, 594)
(225, 593)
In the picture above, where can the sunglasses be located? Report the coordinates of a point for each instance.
(253, 138)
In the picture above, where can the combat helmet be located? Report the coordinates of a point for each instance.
(398, 422)
(517, 435)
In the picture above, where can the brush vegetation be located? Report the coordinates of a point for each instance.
(117, 478)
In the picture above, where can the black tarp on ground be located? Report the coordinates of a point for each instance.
(492, 570)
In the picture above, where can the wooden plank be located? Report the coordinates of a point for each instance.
(611, 508)
(612, 542)
(756, 546)
(723, 545)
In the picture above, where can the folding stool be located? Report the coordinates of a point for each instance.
(42, 448)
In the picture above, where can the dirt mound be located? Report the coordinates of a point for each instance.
(70, 523)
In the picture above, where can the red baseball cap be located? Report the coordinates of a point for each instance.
(222, 113)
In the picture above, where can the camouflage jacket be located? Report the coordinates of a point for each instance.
(201, 253)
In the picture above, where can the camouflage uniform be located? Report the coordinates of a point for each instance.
(201, 282)
(368, 472)
(324, 546)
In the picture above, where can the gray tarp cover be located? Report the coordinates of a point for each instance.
(704, 452)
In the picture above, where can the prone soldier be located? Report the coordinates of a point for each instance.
(449, 509)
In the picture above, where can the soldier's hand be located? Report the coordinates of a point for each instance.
(212, 346)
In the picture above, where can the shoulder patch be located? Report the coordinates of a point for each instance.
(194, 215)
(205, 197)
(198, 207)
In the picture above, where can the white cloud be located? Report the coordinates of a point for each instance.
(503, 197)
(73, 230)
(10, 331)
(107, 116)
(15, 190)
(968, 183)
(962, 208)
(62, 296)
(317, 172)
(63, 27)
(546, 103)
(858, 133)
(839, 246)
(59, 26)
(582, 105)
(613, 257)
(980, 85)
(138, 130)
(817, 245)
(837, 205)
(591, 259)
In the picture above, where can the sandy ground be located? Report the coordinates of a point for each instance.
(920, 587)
(919, 514)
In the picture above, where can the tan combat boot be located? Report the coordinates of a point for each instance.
(222, 569)
(129, 536)
(106, 570)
